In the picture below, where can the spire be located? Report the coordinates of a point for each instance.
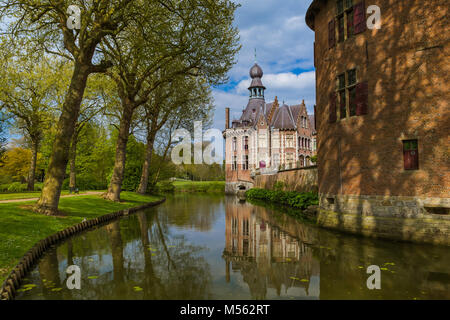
(256, 61)
(256, 87)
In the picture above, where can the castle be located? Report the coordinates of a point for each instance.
(383, 118)
(267, 137)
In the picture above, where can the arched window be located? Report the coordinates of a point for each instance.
(234, 144)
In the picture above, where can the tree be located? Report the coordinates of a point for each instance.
(185, 101)
(16, 163)
(186, 38)
(45, 22)
(2, 139)
(29, 91)
(94, 103)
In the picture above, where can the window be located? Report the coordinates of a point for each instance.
(234, 144)
(289, 141)
(234, 226)
(276, 160)
(347, 93)
(245, 227)
(411, 154)
(352, 101)
(234, 164)
(245, 162)
(262, 141)
(341, 29)
(290, 158)
(350, 20)
(345, 19)
(245, 143)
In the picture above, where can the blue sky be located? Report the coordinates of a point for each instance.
(285, 51)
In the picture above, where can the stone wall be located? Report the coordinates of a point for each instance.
(412, 219)
(301, 180)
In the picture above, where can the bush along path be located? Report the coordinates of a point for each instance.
(295, 200)
(20, 228)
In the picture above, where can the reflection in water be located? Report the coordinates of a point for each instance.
(266, 256)
(213, 247)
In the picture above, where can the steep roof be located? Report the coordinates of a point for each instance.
(284, 119)
(312, 122)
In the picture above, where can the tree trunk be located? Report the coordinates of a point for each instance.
(115, 185)
(146, 167)
(48, 203)
(73, 156)
(32, 172)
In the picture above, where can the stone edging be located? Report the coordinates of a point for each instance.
(13, 281)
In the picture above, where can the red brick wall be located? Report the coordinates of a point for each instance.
(406, 65)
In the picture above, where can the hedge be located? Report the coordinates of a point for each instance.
(288, 198)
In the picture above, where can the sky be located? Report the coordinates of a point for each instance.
(284, 49)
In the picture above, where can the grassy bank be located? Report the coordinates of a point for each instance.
(193, 186)
(20, 228)
(295, 200)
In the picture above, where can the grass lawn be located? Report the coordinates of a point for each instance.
(199, 186)
(21, 228)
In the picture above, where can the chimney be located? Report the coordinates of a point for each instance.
(227, 118)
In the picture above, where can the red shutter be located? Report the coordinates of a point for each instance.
(350, 26)
(333, 117)
(331, 34)
(359, 17)
(406, 160)
(362, 96)
(411, 159)
(411, 155)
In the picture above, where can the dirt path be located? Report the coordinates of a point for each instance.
(89, 193)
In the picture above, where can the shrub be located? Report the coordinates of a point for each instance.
(279, 185)
(17, 187)
(288, 198)
(166, 186)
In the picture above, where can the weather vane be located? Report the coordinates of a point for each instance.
(255, 56)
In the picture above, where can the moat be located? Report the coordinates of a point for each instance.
(214, 247)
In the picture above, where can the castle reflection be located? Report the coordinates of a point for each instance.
(267, 256)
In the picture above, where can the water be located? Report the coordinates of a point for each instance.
(213, 247)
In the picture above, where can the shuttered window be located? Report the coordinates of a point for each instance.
(359, 17)
(411, 154)
(347, 91)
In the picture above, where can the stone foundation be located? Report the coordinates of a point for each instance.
(300, 180)
(234, 187)
(416, 219)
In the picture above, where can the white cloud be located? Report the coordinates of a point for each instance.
(283, 81)
(284, 43)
